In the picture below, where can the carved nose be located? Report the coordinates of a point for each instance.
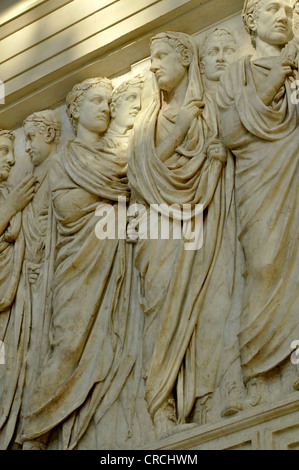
(153, 67)
(10, 159)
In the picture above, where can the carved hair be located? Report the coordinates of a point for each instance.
(180, 42)
(42, 120)
(76, 97)
(133, 83)
(251, 7)
(9, 134)
(217, 33)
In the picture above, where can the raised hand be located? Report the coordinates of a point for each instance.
(21, 194)
(285, 66)
(190, 110)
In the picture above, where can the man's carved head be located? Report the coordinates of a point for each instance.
(126, 102)
(171, 55)
(88, 104)
(7, 158)
(42, 131)
(219, 50)
(269, 20)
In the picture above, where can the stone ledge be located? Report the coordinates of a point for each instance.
(264, 427)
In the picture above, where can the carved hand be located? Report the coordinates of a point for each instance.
(21, 195)
(132, 224)
(285, 67)
(187, 113)
(217, 151)
(33, 275)
(190, 110)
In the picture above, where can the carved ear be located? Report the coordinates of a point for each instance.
(75, 110)
(201, 67)
(187, 58)
(251, 22)
(112, 110)
(50, 135)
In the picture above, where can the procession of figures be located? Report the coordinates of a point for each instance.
(110, 337)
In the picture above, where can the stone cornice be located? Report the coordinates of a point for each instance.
(43, 60)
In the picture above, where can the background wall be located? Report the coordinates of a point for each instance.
(48, 46)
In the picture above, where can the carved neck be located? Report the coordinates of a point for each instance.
(175, 98)
(42, 169)
(264, 49)
(88, 137)
(210, 86)
(114, 127)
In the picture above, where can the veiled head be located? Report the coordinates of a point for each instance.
(171, 55)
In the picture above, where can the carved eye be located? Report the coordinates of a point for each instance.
(3, 151)
(230, 50)
(213, 52)
(131, 98)
(273, 8)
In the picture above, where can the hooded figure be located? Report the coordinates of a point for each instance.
(175, 161)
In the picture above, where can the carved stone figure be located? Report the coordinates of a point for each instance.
(124, 107)
(259, 123)
(168, 166)
(218, 51)
(33, 301)
(12, 202)
(92, 352)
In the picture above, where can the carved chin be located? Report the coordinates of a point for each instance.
(4, 174)
(102, 125)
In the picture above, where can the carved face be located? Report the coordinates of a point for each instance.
(273, 23)
(220, 52)
(37, 143)
(93, 112)
(7, 159)
(167, 65)
(127, 108)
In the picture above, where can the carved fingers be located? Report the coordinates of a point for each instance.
(217, 151)
(22, 194)
(33, 274)
(190, 110)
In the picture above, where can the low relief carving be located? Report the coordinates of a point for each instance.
(148, 263)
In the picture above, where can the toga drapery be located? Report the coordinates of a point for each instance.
(265, 142)
(11, 325)
(92, 352)
(177, 295)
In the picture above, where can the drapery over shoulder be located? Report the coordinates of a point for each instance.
(89, 362)
(238, 91)
(265, 141)
(187, 177)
